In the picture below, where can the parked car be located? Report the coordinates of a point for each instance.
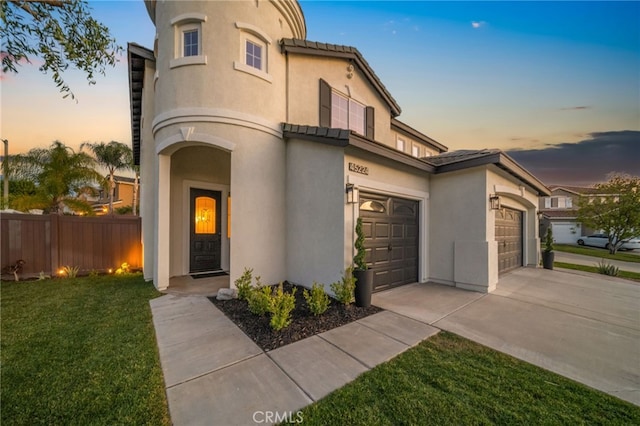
(602, 240)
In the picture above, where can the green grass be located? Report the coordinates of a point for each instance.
(450, 380)
(621, 274)
(597, 252)
(80, 351)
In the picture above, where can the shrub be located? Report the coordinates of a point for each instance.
(243, 284)
(317, 299)
(259, 298)
(607, 269)
(359, 258)
(94, 273)
(123, 269)
(70, 271)
(548, 240)
(344, 289)
(281, 304)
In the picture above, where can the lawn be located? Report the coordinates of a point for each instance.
(635, 276)
(450, 380)
(80, 351)
(597, 252)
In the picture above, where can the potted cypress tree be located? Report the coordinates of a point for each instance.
(548, 255)
(363, 275)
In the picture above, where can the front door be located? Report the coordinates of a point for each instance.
(205, 235)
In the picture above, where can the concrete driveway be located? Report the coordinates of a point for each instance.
(582, 326)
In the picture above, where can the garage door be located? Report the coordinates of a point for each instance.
(509, 238)
(391, 239)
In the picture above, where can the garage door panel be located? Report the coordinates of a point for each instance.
(367, 229)
(381, 230)
(394, 243)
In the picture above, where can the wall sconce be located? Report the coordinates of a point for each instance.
(495, 202)
(352, 193)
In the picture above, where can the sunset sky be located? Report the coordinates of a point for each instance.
(555, 84)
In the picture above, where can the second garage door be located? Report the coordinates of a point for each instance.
(509, 238)
(391, 239)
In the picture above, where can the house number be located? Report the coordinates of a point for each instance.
(357, 168)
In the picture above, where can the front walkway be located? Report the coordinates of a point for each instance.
(214, 374)
(582, 326)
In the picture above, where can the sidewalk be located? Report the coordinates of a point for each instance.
(214, 374)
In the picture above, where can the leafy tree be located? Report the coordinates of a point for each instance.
(617, 212)
(113, 156)
(59, 173)
(59, 32)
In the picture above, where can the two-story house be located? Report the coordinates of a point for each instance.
(259, 148)
(560, 212)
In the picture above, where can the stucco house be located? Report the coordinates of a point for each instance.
(259, 148)
(559, 211)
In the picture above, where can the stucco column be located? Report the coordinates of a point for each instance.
(162, 248)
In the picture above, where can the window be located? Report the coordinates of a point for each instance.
(342, 112)
(400, 145)
(188, 40)
(415, 151)
(205, 219)
(547, 202)
(253, 55)
(569, 202)
(254, 51)
(347, 113)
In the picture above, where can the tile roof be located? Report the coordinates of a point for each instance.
(560, 214)
(296, 45)
(577, 189)
(452, 157)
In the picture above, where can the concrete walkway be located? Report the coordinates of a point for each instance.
(214, 374)
(582, 326)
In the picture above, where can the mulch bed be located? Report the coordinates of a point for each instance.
(303, 324)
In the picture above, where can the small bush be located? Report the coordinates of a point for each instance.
(94, 273)
(281, 304)
(260, 298)
(70, 271)
(317, 299)
(123, 269)
(345, 288)
(243, 284)
(607, 269)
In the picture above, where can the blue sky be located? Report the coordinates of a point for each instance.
(529, 76)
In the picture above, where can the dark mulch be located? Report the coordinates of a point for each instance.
(304, 323)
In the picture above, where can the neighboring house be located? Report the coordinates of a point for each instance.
(259, 149)
(560, 211)
(123, 194)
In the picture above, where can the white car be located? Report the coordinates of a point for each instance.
(602, 240)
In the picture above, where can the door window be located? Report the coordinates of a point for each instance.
(205, 219)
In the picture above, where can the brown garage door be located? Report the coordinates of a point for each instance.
(509, 238)
(391, 239)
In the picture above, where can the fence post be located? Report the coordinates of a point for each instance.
(54, 229)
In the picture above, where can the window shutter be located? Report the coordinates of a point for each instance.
(325, 104)
(369, 123)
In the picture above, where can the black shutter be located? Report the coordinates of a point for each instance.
(325, 104)
(370, 123)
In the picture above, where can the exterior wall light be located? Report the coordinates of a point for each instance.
(352, 193)
(495, 201)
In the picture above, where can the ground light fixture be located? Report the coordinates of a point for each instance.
(494, 199)
(352, 193)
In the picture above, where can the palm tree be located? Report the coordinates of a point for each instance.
(113, 156)
(59, 174)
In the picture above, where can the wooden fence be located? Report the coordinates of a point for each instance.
(48, 242)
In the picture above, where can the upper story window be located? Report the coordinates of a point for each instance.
(188, 40)
(415, 151)
(342, 112)
(191, 44)
(253, 54)
(347, 113)
(400, 145)
(558, 203)
(254, 51)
